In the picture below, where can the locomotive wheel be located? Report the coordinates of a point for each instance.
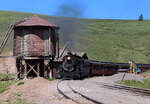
(81, 76)
(76, 77)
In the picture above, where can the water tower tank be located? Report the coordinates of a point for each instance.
(35, 36)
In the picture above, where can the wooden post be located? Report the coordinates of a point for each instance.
(25, 74)
(18, 68)
(50, 73)
(38, 68)
(57, 44)
(50, 69)
(47, 68)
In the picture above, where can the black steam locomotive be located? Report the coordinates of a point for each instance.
(74, 66)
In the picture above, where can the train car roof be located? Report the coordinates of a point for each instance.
(113, 63)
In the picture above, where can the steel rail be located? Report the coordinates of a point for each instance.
(84, 96)
(134, 89)
(62, 93)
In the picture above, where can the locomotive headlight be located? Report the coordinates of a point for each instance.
(68, 58)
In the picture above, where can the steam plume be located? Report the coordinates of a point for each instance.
(68, 23)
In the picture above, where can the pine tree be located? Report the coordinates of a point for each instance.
(141, 17)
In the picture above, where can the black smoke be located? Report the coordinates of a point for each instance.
(73, 10)
(69, 23)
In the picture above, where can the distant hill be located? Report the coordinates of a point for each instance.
(103, 40)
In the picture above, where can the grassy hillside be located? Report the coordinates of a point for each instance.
(119, 41)
(105, 40)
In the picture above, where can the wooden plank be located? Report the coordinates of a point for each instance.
(8, 56)
(57, 43)
(32, 68)
(46, 42)
(25, 75)
(38, 68)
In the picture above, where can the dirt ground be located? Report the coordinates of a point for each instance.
(37, 90)
(42, 91)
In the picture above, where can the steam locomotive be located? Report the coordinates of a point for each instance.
(74, 66)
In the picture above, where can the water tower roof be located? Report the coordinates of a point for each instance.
(35, 21)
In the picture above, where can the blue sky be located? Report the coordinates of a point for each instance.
(103, 9)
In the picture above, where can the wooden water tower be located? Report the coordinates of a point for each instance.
(36, 43)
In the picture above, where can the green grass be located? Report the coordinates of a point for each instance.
(15, 101)
(147, 72)
(117, 41)
(141, 84)
(145, 83)
(51, 79)
(6, 77)
(20, 83)
(19, 101)
(18, 94)
(5, 84)
(104, 40)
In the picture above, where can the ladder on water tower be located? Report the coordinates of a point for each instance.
(7, 35)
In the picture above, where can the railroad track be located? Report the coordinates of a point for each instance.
(84, 97)
(136, 90)
(65, 95)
